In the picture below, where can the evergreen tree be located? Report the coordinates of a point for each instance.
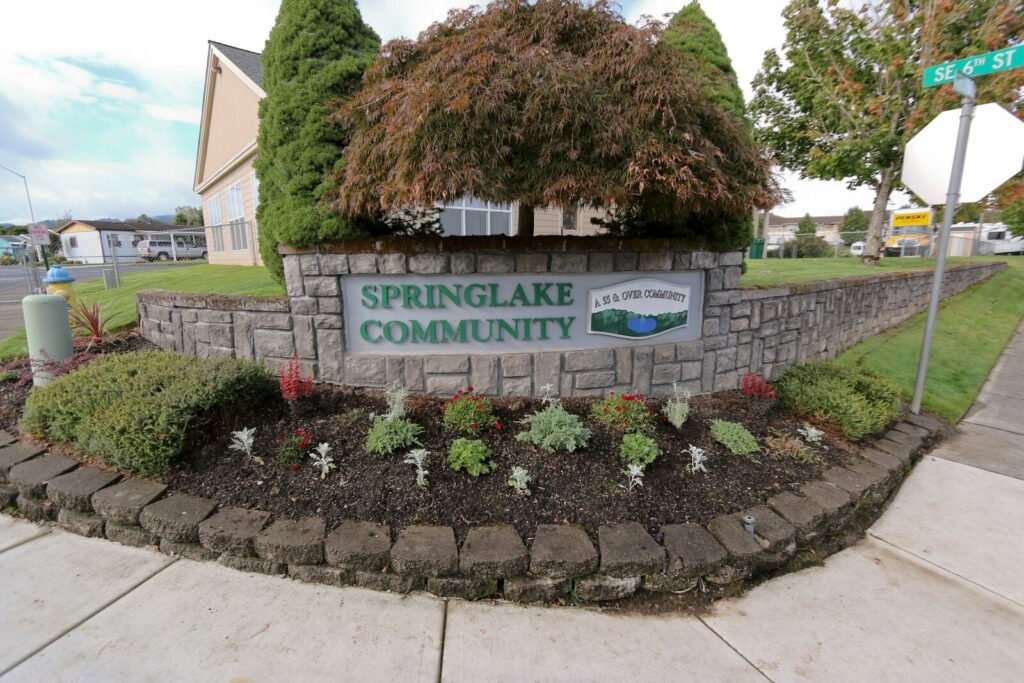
(855, 226)
(806, 226)
(693, 32)
(314, 57)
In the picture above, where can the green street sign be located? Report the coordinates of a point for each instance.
(990, 63)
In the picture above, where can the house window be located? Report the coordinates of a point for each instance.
(73, 242)
(114, 240)
(570, 213)
(470, 216)
(236, 218)
(216, 221)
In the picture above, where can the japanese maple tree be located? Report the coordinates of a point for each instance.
(548, 103)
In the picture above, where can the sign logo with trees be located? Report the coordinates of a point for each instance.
(638, 308)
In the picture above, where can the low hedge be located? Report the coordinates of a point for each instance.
(133, 410)
(856, 400)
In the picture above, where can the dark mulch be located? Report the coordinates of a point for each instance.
(583, 488)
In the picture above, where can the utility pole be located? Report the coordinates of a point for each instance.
(40, 252)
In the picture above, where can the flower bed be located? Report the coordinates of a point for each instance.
(608, 494)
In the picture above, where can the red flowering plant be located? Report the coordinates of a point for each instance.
(628, 413)
(468, 413)
(760, 393)
(293, 385)
(293, 449)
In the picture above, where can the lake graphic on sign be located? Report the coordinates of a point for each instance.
(638, 309)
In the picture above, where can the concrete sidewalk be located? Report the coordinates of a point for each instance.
(933, 593)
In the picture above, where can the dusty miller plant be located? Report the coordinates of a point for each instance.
(323, 461)
(520, 480)
(810, 433)
(547, 395)
(242, 441)
(634, 476)
(677, 408)
(418, 457)
(697, 459)
(395, 396)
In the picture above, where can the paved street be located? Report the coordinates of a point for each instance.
(13, 287)
(932, 594)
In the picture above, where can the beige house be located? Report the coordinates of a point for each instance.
(224, 178)
(227, 185)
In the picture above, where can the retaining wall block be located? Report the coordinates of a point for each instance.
(232, 530)
(292, 541)
(176, 517)
(358, 546)
(562, 551)
(425, 551)
(627, 550)
(493, 552)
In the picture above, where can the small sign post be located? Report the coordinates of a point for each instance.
(961, 73)
(39, 234)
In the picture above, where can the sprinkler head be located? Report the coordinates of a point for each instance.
(748, 523)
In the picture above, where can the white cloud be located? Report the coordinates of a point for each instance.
(179, 114)
(162, 46)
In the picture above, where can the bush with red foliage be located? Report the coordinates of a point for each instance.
(754, 386)
(293, 385)
(90, 320)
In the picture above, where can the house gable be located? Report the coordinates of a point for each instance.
(230, 118)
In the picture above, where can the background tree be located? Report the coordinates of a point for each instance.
(188, 215)
(549, 103)
(1010, 202)
(142, 218)
(806, 226)
(315, 55)
(855, 226)
(844, 95)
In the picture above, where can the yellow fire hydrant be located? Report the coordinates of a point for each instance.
(59, 281)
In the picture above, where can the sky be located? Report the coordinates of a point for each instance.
(100, 101)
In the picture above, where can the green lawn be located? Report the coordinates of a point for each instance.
(119, 304)
(971, 331)
(774, 271)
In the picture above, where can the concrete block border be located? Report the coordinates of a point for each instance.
(790, 529)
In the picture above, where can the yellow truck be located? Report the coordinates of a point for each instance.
(911, 233)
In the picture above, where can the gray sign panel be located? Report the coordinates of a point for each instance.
(433, 314)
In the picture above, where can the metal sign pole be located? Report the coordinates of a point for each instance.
(965, 87)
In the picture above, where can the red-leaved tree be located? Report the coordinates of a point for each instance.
(548, 103)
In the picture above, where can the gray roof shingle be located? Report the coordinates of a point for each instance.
(246, 60)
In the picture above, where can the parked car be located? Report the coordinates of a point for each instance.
(857, 249)
(160, 249)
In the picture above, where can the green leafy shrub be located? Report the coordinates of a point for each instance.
(470, 455)
(388, 435)
(629, 413)
(639, 449)
(856, 400)
(468, 413)
(133, 410)
(735, 437)
(555, 429)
